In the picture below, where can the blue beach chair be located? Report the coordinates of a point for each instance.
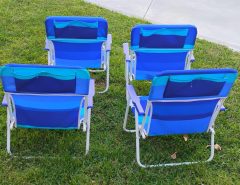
(155, 48)
(79, 42)
(47, 97)
(180, 102)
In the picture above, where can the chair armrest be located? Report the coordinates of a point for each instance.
(91, 93)
(126, 51)
(109, 42)
(4, 101)
(135, 99)
(47, 47)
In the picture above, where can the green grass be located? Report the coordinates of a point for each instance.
(112, 153)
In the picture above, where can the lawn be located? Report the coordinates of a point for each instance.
(112, 152)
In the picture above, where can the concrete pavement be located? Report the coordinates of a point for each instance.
(216, 20)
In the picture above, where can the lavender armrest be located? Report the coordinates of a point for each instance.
(135, 99)
(109, 42)
(91, 93)
(46, 44)
(4, 101)
(126, 51)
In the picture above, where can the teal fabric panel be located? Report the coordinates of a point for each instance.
(146, 50)
(76, 23)
(98, 40)
(164, 31)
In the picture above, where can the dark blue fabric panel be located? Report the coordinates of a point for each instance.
(160, 127)
(76, 51)
(160, 61)
(44, 84)
(48, 103)
(46, 118)
(181, 117)
(76, 32)
(47, 111)
(195, 88)
(78, 54)
(79, 63)
(162, 41)
(150, 64)
(183, 110)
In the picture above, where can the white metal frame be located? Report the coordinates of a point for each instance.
(142, 133)
(12, 119)
(129, 104)
(106, 48)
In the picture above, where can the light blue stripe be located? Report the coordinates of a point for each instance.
(57, 128)
(147, 50)
(160, 81)
(51, 37)
(135, 47)
(99, 39)
(76, 23)
(164, 31)
(212, 77)
(229, 78)
(188, 46)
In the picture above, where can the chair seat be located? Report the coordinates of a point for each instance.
(48, 112)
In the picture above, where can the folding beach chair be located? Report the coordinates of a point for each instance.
(47, 97)
(79, 42)
(155, 48)
(180, 102)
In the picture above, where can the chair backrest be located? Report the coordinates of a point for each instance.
(163, 36)
(41, 79)
(76, 27)
(77, 40)
(185, 102)
(161, 47)
(45, 97)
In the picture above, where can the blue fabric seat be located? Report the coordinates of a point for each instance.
(155, 48)
(47, 97)
(180, 102)
(48, 112)
(78, 41)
